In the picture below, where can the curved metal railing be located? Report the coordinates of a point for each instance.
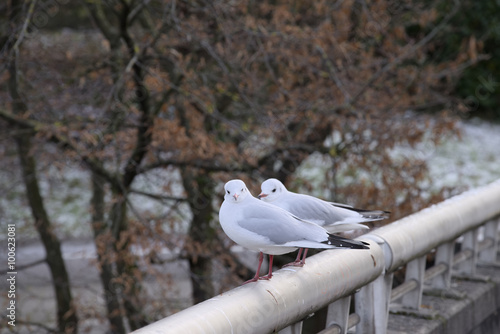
(331, 277)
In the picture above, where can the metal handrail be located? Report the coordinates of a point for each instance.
(332, 276)
(419, 233)
(290, 296)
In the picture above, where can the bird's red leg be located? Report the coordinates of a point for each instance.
(298, 254)
(303, 258)
(256, 277)
(297, 262)
(270, 273)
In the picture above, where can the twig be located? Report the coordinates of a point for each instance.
(134, 13)
(31, 10)
(63, 142)
(351, 102)
(37, 324)
(157, 196)
(461, 67)
(208, 165)
(332, 71)
(26, 266)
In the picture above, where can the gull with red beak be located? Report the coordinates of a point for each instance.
(268, 229)
(333, 217)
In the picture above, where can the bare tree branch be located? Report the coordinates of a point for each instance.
(210, 165)
(97, 13)
(332, 71)
(461, 67)
(157, 196)
(37, 324)
(24, 29)
(390, 65)
(64, 143)
(26, 266)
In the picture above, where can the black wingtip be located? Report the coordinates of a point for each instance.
(345, 243)
(368, 214)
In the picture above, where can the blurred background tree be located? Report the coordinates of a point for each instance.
(163, 101)
(476, 32)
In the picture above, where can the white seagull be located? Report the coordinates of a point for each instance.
(334, 217)
(268, 229)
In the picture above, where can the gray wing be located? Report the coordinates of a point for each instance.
(328, 213)
(279, 226)
(311, 208)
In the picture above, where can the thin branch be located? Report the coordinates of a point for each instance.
(17, 121)
(204, 44)
(332, 71)
(270, 70)
(63, 142)
(461, 67)
(198, 103)
(26, 266)
(157, 196)
(135, 212)
(132, 62)
(31, 10)
(208, 165)
(37, 324)
(352, 101)
(98, 16)
(144, 128)
(134, 13)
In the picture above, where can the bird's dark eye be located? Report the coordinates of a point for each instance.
(228, 192)
(274, 190)
(242, 189)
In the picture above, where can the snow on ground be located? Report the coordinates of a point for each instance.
(469, 162)
(460, 162)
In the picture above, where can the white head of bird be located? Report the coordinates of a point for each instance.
(271, 190)
(235, 191)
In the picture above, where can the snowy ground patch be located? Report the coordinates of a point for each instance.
(459, 162)
(470, 161)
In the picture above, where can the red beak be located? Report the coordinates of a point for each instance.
(262, 195)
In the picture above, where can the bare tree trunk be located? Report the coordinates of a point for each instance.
(200, 188)
(101, 237)
(128, 276)
(67, 319)
(66, 311)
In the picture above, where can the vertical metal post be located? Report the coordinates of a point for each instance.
(296, 328)
(468, 266)
(372, 305)
(489, 255)
(415, 270)
(338, 314)
(444, 254)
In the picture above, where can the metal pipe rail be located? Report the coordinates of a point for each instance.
(331, 277)
(290, 296)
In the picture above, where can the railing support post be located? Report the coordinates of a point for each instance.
(444, 254)
(489, 255)
(468, 267)
(372, 305)
(415, 270)
(338, 314)
(292, 329)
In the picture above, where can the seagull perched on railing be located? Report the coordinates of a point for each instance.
(334, 217)
(268, 229)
